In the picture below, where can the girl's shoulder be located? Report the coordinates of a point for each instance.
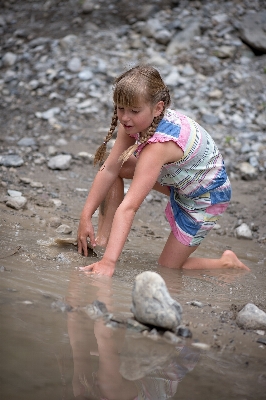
(175, 116)
(171, 122)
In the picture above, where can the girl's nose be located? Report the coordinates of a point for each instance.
(125, 116)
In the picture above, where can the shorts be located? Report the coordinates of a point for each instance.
(191, 218)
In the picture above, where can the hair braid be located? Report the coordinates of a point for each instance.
(151, 130)
(100, 152)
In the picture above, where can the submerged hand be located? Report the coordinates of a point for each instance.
(101, 267)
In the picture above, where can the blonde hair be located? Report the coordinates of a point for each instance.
(141, 83)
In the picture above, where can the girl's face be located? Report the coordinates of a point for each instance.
(138, 119)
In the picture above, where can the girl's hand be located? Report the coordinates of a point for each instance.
(101, 267)
(85, 230)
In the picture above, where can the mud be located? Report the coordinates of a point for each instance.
(38, 352)
(48, 352)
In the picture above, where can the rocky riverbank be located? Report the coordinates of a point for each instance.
(58, 62)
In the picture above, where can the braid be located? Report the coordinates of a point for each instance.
(151, 130)
(100, 152)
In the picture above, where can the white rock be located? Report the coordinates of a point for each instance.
(9, 59)
(48, 114)
(65, 229)
(251, 317)
(61, 161)
(17, 202)
(243, 232)
(69, 41)
(85, 74)
(74, 65)
(14, 193)
(152, 303)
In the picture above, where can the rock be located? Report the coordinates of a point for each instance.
(243, 232)
(171, 338)
(152, 303)
(85, 74)
(36, 184)
(68, 42)
(262, 340)
(9, 59)
(261, 120)
(96, 310)
(61, 161)
(247, 171)
(17, 202)
(14, 193)
(88, 6)
(65, 229)
(251, 317)
(62, 306)
(215, 94)
(27, 142)
(184, 332)
(12, 160)
(173, 78)
(225, 51)
(135, 325)
(153, 28)
(182, 40)
(252, 30)
(74, 65)
(210, 119)
(54, 222)
(48, 114)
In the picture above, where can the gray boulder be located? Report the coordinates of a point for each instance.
(251, 317)
(152, 303)
(253, 31)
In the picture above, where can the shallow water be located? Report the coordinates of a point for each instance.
(48, 353)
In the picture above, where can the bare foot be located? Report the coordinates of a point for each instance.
(230, 260)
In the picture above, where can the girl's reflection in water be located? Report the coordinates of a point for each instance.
(129, 366)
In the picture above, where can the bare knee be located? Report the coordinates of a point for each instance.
(128, 168)
(175, 254)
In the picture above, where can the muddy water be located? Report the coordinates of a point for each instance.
(50, 353)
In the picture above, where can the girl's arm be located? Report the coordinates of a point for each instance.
(148, 168)
(100, 187)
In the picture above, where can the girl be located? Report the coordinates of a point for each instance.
(159, 149)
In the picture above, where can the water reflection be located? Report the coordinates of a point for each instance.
(116, 363)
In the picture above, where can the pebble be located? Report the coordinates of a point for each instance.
(243, 232)
(251, 317)
(17, 202)
(12, 160)
(65, 229)
(61, 162)
(54, 222)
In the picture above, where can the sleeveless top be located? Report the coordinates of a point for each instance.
(201, 169)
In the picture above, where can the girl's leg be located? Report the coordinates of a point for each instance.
(107, 211)
(113, 199)
(176, 255)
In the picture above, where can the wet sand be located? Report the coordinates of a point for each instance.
(39, 342)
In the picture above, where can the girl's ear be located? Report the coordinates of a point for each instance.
(158, 108)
